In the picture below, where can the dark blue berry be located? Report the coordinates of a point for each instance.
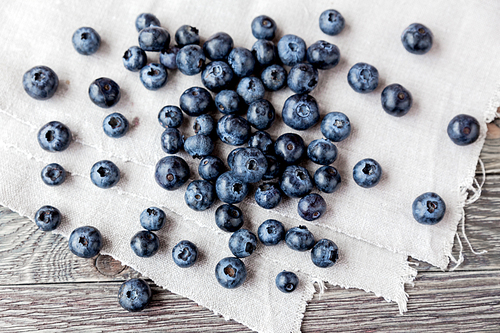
(40, 82)
(250, 89)
(154, 76)
(268, 195)
(463, 129)
(249, 165)
(417, 38)
(54, 136)
(299, 239)
(48, 218)
(322, 151)
(291, 50)
(190, 60)
(168, 57)
(86, 41)
(204, 124)
(396, 100)
(172, 140)
(241, 61)
(187, 35)
(115, 125)
(170, 116)
(210, 168)
(230, 157)
(217, 76)
(331, 22)
(296, 181)
(218, 46)
(303, 78)
(311, 207)
(104, 174)
(366, 173)
(200, 195)
(230, 272)
(323, 55)
(300, 112)
(134, 59)
(263, 27)
(85, 242)
(134, 295)
(265, 52)
(363, 78)
(428, 208)
(261, 114)
(185, 254)
(274, 77)
(228, 102)
(230, 189)
(233, 130)
(290, 148)
(287, 281)
(228, 218)
(273, 168)
(325, 253)
(104, 92)
(153, 218)
(199, 146)
(53, 174)
(145, 244)
(327, 179)
(154, 39)
(146, 20)
(263, 141)
(242, 243)
(171, 172)
(336, 126)
(196, 101)
(271, 232)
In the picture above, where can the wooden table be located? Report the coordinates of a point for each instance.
(44, 286)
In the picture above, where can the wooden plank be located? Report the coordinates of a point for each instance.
(490, 155)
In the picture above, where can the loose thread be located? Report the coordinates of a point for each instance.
(321, 286)
(460, 254)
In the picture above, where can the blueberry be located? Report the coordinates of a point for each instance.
(190, 60)
(171, 172)
(200, 195)
(218, 46)
(331, 22)
(48, 218)
(263, 27)
(287, 281)
(299, 239)
(199, 146)
(249, 165)
(273, 77)
(230, 157)
(363, 78)
(290, 148)
(172, 141)
(268, 195)
(336, 126)
(210, 168)
(296, 181)
(428, 208)
(273, 168)
(230, 189)
(115, 125)
(145, 244)
(168, 57)
(250, 89)
(242, 243)
(323, 55)
(463, 129)
(327, 179)
(170, 116)
(300, 112)
(54, 136)
(322, 151)
(311, 207)
(228, 218)
(217, 76)
(265, 52)
(367, 173)
(291, 50)
(104, 174)
(325, 253)
(204, 124)
(241, 61)
(271, 232)
(185, 254)
(134, 59)
(104, 92)
(195, 101)
(396, 100)
(230, 272)
(86, 41)
(153, 218)
(228, 102)
(154, 39)
(187, 35)
(154, 76)
(53, 174)
(303, 78)
(261, 114)
(233, 130)
(40, 82)
(146, 20)
(85, 242)
(417, 38)
(263, 141)
(134, 295)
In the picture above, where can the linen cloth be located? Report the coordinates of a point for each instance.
(373, 228)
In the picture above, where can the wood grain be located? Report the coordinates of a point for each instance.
(490, 155)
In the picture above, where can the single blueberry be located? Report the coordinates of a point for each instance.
(263, 141)
(134, 295)
(296, 181)
(331, 22)
(171, 172)
(218, 46)
(417, 38)
(325, 253)
(217, 76)
(168, 57)
(200, 195)
(85, 242)
(154, 39)
(249, 165)
(210, 168)
(241, 61)
(233, 130)
(363, 78)
(228, 218)
(265, 52)
(196, 101)
(154, 76)
(54, 136)
(187, 35)
(263, 27)
(268, 195)
(287, 281)
(230, 189)
(273, 168)
(199, 146)
(86, 41)
(172, 140)
(428, 208)
(204, 124)
(271, 232)
(170, 116)
(273, 77)
(302, 78)
(300, 112)
(250, 89)
(299, 239)
(336, 126)
(185, 254)
(115, 125)
(53, 174)
(327, 179)
(463, 129)
(230, 272)
(396, 100)
(134, 59)
(311, 207)
(242, 243)
(104, 174)
(48, 218)
(40, 82)
(104, 92)
(153, 218)
(323, 55)
(366, 173)
(322, 151)
(145, 244)
(290, 148)
(291, 50)
(261, 114)
(190, 60)
(228, 102)
(146, 20)
(230, 157)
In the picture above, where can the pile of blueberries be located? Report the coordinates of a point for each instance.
(233, 75)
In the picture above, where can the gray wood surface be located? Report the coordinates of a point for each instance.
(44, 286)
